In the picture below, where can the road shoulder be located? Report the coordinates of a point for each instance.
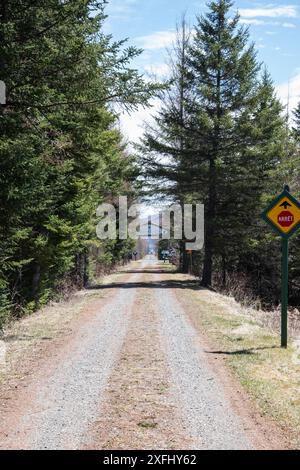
(245, 356)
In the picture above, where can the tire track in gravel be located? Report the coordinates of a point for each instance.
(66, 402)
(140, 408)
(205, 408)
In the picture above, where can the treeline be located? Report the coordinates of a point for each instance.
(61, 154)
(222, 138)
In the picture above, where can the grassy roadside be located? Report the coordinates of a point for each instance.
(269, 374)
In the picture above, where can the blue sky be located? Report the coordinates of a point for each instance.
(150, 24)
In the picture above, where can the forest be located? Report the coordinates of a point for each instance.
(61, 153)
(221, 137)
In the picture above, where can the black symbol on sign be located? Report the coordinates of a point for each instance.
(285, 204)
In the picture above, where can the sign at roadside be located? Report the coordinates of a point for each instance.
(283, 215)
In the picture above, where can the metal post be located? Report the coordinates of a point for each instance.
(284, 292)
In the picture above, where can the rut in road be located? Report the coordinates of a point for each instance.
(135, 377)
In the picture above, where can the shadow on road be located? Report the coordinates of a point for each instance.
(147, 271)
(249, 351)
(169, 284)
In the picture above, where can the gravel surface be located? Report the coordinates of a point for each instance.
(68, 402)
(134, 375)
(204, 406)
(140, 408)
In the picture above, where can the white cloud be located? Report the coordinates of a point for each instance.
(121, 9)
(289, 25)
(158, 40)
(255, 22)
(252, 22)
(158, 70)
(132, 125)
(286, 11)
(292, 89)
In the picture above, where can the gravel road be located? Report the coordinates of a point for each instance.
(137, 369)
(206, 410)
(68, 401)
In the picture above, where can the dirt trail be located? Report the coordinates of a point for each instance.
(132, 374)
(62, 400)
(140, 409)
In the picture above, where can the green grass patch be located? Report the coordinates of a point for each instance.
(147, 424)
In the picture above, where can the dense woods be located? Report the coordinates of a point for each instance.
(222, 138)
(61, 154)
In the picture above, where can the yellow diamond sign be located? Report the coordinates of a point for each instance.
(283, 214)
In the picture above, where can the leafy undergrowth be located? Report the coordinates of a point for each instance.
(270, 375)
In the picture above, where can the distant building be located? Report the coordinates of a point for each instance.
(150, 234)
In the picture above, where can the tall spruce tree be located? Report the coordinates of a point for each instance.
(223, 70)
(226, 145)
(170, 148)
(248, 242)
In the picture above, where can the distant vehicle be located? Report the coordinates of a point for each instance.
(165, 255)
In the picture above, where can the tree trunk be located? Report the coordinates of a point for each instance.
(36, 279)
(224, 271)
(184, 261)
(209, 227)
(85, 269)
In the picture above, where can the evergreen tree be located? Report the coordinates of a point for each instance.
(224, 72)
(168, 153)
(249, 241)
(226, 148)
(60, 154)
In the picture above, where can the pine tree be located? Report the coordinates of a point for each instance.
(227, 146)
(169, 151)
(245, 240)
(224, 72)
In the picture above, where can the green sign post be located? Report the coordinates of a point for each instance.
(283, 215)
